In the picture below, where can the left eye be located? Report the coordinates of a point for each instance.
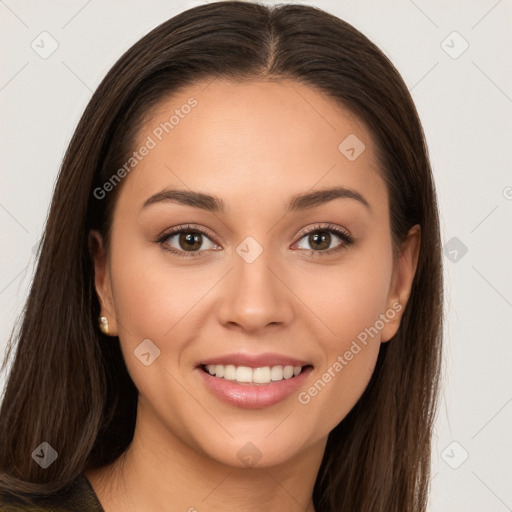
(321, 239)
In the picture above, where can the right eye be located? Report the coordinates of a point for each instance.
(186, 241)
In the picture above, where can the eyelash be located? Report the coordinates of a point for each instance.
(341, 233)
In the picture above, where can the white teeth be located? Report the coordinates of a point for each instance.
(243, 374)
(288, 372)
(263, 375)
(229, 372)
(276, 373)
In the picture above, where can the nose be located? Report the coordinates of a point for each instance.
(255, 295)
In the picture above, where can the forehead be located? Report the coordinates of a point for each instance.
(246, 141)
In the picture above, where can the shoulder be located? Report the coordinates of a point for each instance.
(78, 496)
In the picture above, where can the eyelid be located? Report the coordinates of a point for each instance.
(185, 227)
(343, 232)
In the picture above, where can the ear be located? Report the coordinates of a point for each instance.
(401, 282)
(102, 281)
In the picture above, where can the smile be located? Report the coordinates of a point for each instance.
(248, 375)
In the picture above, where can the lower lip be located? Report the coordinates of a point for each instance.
(253, 396)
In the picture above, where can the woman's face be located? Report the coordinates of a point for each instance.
(271, 271)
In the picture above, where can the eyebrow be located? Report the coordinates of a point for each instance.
(215, 204)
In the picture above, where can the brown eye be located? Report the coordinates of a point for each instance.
(325, 239)
(319, 240)
(187, 241)
(190, 241)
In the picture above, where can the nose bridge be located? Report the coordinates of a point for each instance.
(254, 296)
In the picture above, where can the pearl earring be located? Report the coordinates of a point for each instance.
(103, 323)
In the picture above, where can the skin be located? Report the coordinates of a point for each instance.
(255, 145)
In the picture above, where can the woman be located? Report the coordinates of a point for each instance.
(237, 303)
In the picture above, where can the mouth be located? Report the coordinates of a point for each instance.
(253, 381)
(246, 375)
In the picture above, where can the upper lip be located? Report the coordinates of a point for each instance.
(254, 360)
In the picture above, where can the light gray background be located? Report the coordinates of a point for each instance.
(465, 104)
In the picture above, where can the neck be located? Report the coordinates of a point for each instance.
(159, 471)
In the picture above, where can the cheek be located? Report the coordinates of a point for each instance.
(152, 300)
(348, 298)
(155, 302)
(351, 301)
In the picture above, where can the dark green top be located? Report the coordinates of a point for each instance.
(78, 497)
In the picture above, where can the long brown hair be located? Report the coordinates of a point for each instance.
(69, 385)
